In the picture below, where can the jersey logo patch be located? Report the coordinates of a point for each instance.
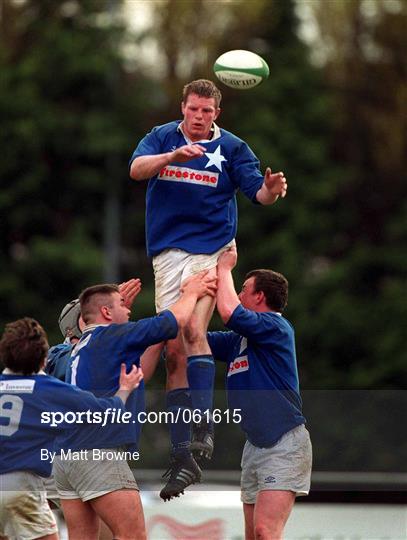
(184, 175)
(238, 365)
(215, 158)
(24, 386)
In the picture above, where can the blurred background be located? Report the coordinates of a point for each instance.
(82, 81)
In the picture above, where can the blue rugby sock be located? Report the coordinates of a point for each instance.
(177, 401)
(201, 377)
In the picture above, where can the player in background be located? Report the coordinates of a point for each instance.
(194, 169)
(25, 393)
(71, 326)
(59, 364)
(262, 382)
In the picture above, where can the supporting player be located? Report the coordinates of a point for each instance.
(107, 340)
(262, 383)
(71, 325)
(26, 393)
(194, 170)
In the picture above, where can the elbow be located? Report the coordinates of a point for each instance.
(225, 314)
(133, 172)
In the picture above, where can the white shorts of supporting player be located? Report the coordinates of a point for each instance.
(286, 466)
(24, 510)
(173, 266)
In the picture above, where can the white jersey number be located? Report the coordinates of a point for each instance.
(13, 413)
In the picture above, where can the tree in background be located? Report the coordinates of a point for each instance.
(359, 298)
(65, 106)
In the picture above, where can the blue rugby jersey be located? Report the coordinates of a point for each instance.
(96, 361)
(58, 361)
(192, 206)
(262, 377)
(22, 434)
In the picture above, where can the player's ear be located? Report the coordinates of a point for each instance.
(105, 311)
(260, 296)
(182, 107)
(217, 113)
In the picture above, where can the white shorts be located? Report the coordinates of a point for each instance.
(24, 511)
(173, 266)
(89, 478)
(51, 491)
(286, 466)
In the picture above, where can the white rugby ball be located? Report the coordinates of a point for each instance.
(241, 69)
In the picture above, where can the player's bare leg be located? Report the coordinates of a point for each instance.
(149, 360)
(105, 533)
(184, 470)
(248, 510)
(81, 519)
(122, 512)
(176, 364)
(271, 512)
(201, 373)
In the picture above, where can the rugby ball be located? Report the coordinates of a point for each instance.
(241, 69)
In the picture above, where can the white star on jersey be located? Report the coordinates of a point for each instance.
(215, 158)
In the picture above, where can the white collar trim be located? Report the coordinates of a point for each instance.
(214, 128)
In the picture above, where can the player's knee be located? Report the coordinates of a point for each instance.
(171, 365)
(194, 333)
(265, 531)
(174, 361)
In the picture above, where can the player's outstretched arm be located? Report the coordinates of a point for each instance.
(144, 167)
(274, 186)
(128, 381)
(192, 290)
(129, 290)
(227, 299)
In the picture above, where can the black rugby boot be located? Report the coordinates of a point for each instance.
(202, 441)
(182, 472)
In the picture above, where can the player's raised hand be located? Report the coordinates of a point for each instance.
(130, 381)
(129, 290)
(228, 259)
(187, 152)
(202, 284)
(274, 186)
(276, 183)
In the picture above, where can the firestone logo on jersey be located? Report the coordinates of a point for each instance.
(190, 176)
(238, 365)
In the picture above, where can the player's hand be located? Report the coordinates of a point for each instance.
(202, 284)
(187, 152)
(275, 183)
(130, 381)
(274, 186)
(129, 290)
(228, 259)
